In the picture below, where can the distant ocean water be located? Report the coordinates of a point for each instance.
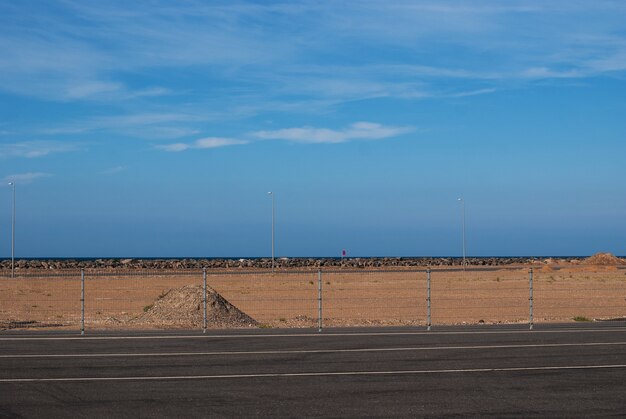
(299, 257)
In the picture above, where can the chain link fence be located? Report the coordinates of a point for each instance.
(195, 299)
(480, 296)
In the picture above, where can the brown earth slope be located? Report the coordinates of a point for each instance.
(604, 259)
(183, 307)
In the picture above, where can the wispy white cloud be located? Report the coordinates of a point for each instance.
(110, 91)
(487, 37)
(150, 92)
(202, 143)
(113, 170)
(32, 149)
(149, 125)
(472, 93)
(190, 62)
(25, 178)
(90, 89)
(356, 131)
(176, 147)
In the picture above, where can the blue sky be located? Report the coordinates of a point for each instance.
(154, 128)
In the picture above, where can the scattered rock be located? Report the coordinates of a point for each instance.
(110, 265)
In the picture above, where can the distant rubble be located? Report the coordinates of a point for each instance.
(183, 307)
(297, 263)
(604, 259)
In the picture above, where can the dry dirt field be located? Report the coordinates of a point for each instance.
(290, 299)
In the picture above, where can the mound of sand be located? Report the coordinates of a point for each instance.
(604, 259)
(183, 307)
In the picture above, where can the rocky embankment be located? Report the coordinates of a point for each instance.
(266, 263)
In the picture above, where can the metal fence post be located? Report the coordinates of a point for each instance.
(204, 298)
(428, 319)
(319, 300)
(82, 301)
(530, 298)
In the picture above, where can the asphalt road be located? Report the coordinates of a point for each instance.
(482, 371)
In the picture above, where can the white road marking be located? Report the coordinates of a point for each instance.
(310, 351)
(312, 374)
(314, 335)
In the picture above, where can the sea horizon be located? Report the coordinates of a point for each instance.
(88, 258)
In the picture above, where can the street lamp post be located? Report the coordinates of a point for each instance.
(271, 194)
(462, 201)
(13, 233)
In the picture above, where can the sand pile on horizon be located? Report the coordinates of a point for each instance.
(183, 307)
(604, 259)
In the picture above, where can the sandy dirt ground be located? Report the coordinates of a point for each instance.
(355, 298)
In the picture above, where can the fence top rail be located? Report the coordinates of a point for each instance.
(314, 272)
(484, 269)
(65, 274)
(373, 271)
(91, 273)
(142, 273)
